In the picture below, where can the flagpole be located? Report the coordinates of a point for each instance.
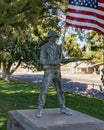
(63, 34)
(103, 51)
(65, 28)
(102, 76)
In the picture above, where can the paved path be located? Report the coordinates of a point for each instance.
(88, 85)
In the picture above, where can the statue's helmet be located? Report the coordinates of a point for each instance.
(52, 33)
(102, 70)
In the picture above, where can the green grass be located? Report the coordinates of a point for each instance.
(16, 95)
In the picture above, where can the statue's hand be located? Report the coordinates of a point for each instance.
(57, 61)
(90, 58)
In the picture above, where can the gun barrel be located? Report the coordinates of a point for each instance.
(68, 60)
(85, 59)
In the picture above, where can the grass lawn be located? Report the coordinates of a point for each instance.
(16, 95)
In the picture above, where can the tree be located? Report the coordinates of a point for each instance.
(23, 27)
(71, 46)
(94, 46)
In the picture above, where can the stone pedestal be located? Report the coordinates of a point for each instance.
(52, 120)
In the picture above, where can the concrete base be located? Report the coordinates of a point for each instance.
(52, 120)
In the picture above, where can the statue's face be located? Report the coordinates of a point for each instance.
(53, 38)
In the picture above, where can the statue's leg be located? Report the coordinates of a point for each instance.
(42, 97)
(60, 94)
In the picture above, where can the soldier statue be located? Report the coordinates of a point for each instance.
(102, 76)
(51, 56)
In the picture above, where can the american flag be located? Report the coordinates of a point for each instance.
(86, 14)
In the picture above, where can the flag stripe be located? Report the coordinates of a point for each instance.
(85, 27)
(101, 5)
(83, 10)
(92, 23)
(81, 23)
(87, 21)
(85, 13)
(101, 1)
(86, 17)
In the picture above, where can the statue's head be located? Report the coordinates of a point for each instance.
(52, 33)
(102, 70)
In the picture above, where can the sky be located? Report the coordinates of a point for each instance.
(70, 30)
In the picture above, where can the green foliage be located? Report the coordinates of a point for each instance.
(71, 46)
(94, 41)
(31, 53)
(94, 44)
(97, 56)
(18, 20)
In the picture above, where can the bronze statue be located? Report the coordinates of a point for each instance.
(51, 56)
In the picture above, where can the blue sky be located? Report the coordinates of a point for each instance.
(71, 30)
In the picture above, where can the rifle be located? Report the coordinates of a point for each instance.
(68, 60)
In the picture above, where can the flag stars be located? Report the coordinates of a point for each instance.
(95, 6)
(81, 3)
(72, 3)
(91, 5)
(89, 2)
(77, 3)
(85, 3)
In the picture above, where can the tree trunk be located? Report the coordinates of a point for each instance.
(7, 71)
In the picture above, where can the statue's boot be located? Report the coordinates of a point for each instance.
(64, 110)
(39, 114)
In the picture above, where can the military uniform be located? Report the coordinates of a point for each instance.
(50, 57)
